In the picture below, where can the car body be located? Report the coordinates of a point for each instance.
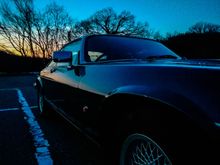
(133, 94)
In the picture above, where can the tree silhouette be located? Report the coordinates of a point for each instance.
(16, 25)
(53, 29)
(107, 21)
(31, 32)
(203, 27)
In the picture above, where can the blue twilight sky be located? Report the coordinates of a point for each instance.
(162, 15)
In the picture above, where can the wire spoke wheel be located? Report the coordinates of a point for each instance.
(139, 149)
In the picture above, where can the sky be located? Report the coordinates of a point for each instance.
(162, 15)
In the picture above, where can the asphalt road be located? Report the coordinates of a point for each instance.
(18, 144)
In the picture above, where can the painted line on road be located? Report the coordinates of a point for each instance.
(15, 109)
(42, 152)
(8, 89)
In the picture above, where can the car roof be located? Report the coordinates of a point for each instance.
(112, 35)
(115, 35)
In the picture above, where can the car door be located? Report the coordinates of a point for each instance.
(48, 77)
(94, 84)
(91, 95)
(61, 81)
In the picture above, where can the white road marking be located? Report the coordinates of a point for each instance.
(42, 153)
(8, 89)
(9, 109)
(16, 109)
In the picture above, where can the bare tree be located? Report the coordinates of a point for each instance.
(39, 33)
(53, 29)
(16, 25)
(158, 36)
(203, 27)
(27, 16)
(31, 32)
(59, 24)
(107, 21)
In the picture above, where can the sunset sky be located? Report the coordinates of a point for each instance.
(162, 15)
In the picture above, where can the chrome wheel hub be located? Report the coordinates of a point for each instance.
(141, 150)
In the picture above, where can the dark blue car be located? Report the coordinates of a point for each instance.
(136, 98)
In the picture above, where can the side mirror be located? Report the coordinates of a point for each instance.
(62, 56)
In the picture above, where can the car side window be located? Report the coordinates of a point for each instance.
(94, 55)
(74, 48)
(51, 64)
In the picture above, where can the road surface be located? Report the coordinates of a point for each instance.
(26, 139)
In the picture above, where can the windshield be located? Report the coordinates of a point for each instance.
(106, 48)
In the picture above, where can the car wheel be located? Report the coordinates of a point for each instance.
(42, 104)
(139, 149)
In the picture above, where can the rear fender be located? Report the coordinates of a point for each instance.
(161, 96)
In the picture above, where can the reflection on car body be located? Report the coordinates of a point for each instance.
(136, 98)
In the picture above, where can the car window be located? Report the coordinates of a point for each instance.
(106, 48)
(51, 64)
(93, 55)
(74, 48)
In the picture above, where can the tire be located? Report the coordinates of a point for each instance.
(175, 135)
(139, 149)
(178, 146)
(42, 104)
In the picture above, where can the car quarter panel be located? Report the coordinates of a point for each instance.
(179, 86)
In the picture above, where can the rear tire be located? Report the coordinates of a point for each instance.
(177, 144)
(140, 149)
(178, 136)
